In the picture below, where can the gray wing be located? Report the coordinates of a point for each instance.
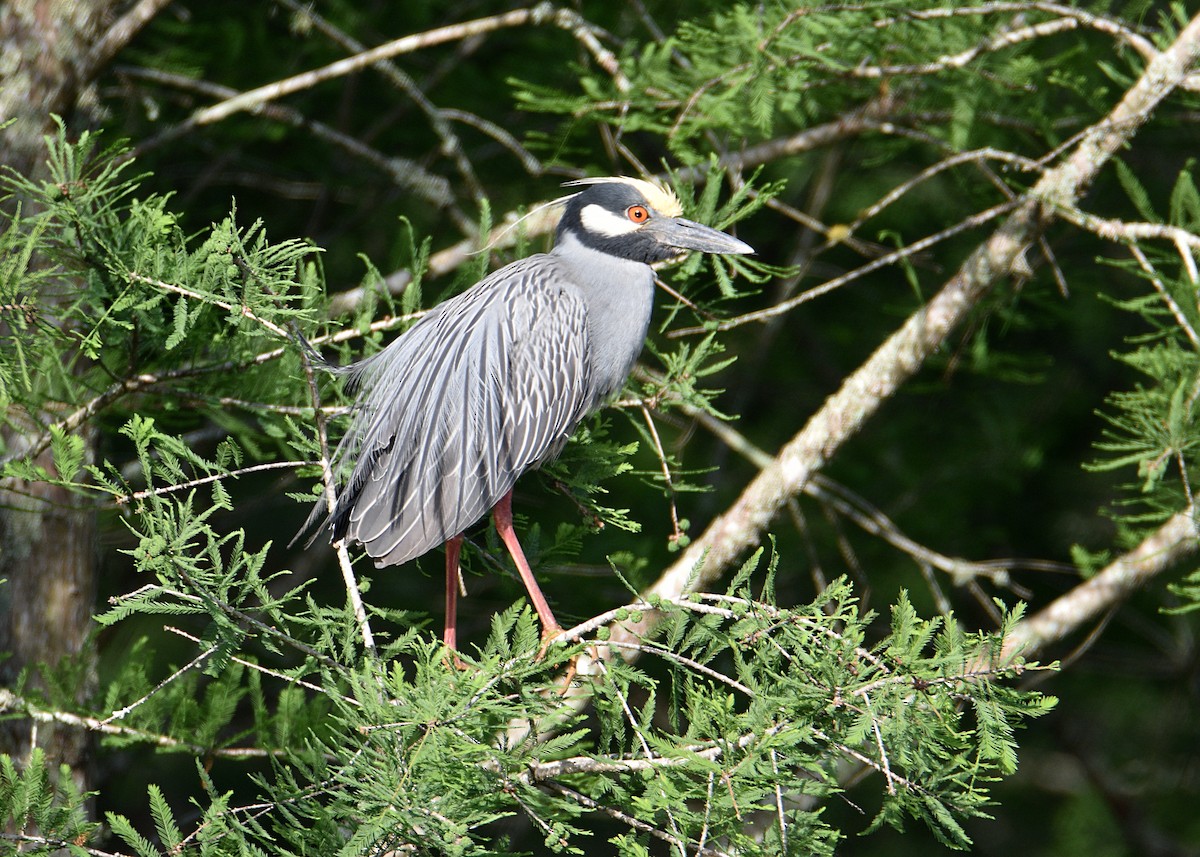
(487, 385)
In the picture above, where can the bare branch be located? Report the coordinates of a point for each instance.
(1174, 540)
(742, 526)
(531, 164)
(1165, 294)
(59, 844)
(870, 518)
(11, 703)
(454, 32)
(239, 615)
(119, 35)
(242, 310)
(125, 711)
(955, 61)
(1187, 244)
(1110, 26)
(322, 691)
(450, 144)
(542, 13)
(124, 499)
(403, 172)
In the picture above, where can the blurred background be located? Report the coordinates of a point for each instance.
(986, 455)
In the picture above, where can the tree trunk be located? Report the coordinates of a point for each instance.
(47, 536)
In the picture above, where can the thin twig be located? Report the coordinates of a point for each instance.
(321, 691)
(883, 757)
(450, 145)
(125, 499)
(121, 713)
(676, 533)
(61, 845)
(328, 479)
(1160, 287)
(972, 222)
(1100, 23)
(10, 702)
(783, 847)
(998, 42)
(498, 133)
(646, 751)
(241, 309)
(234, 613)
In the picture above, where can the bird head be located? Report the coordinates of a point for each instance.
(639, 220)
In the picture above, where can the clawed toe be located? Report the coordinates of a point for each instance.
(550, 633)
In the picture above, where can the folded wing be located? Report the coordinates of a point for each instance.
(487, 385)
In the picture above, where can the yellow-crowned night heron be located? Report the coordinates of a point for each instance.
(491, 382)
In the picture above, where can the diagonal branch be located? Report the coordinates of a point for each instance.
(1174, 540)
(542, 13)
(744, 524)
(120, 34)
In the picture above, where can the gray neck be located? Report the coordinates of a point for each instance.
(619, 294)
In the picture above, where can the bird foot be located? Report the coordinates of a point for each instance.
(453, 660)
(569, 675)
(550, 633)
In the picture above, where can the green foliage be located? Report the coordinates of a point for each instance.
(753, 71)
(42, 809)
(1154, 427)
(749, 717)
(765, 702)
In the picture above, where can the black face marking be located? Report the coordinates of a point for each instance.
(616, 198)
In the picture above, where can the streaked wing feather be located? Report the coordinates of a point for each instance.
(485, 386)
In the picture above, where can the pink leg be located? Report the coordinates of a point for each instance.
(450, 632)
(502, 513)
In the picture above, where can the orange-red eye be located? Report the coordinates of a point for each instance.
(638, 213)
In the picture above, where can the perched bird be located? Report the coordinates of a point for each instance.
(492, 382)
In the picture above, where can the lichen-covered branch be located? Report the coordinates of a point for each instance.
(1162, 549)
(744, 524)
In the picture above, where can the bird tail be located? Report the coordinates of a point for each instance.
(309, 531)
(336, 519)
(312, 353)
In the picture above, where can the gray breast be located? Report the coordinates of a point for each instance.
(619, 296)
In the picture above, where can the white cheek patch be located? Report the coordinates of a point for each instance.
(600, 221)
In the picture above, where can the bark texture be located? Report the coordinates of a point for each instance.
(47, 536)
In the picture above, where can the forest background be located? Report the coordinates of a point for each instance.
(907, 495)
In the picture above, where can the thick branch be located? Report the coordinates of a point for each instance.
(862, 394)
(121, 34)
(1164, 547)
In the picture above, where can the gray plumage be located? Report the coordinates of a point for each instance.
(487, 385)
(492, 382)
